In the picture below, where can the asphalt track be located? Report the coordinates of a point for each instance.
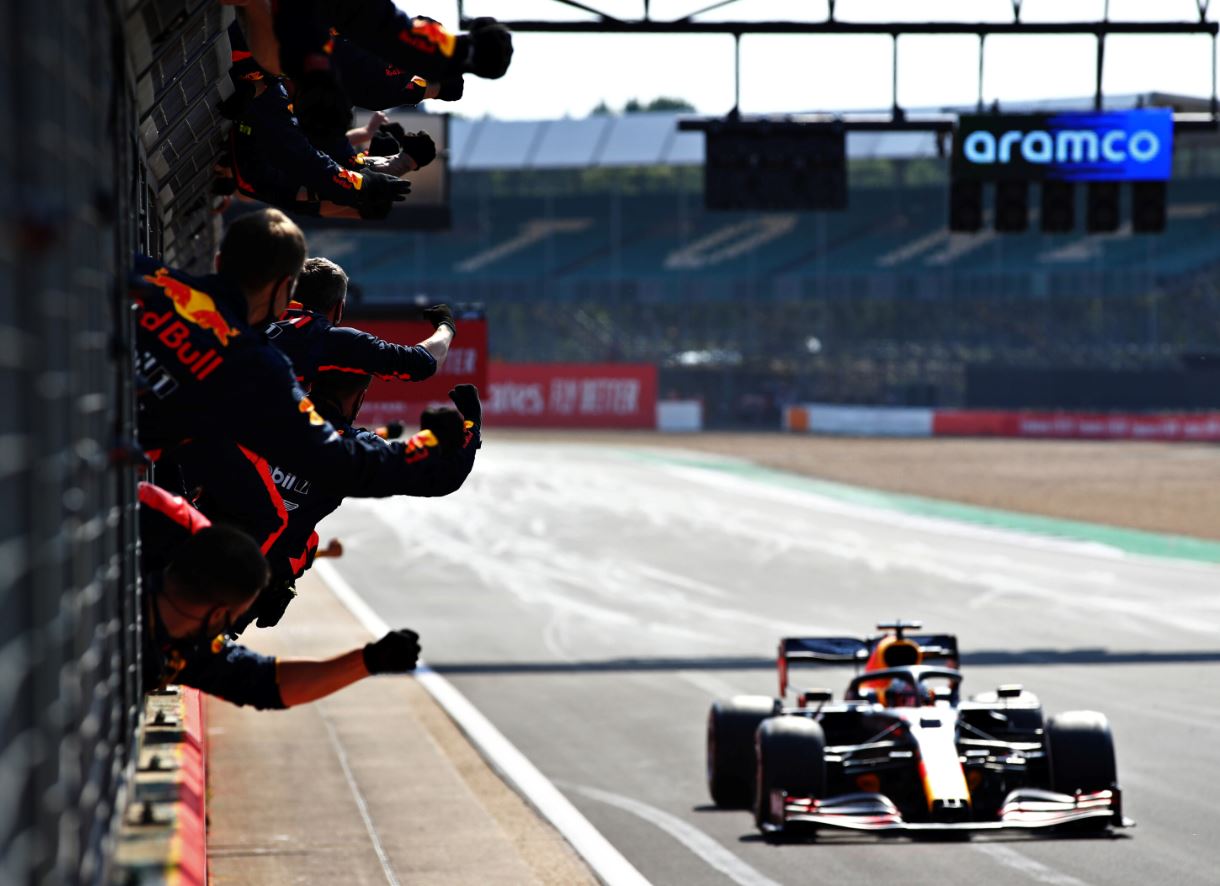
(592, 602)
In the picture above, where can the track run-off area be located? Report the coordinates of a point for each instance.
(591, 601)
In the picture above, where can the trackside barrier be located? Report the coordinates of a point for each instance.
(571, 395)
(1200, 427)
(869, 421)
(680, 415)
(390, 400)
(859, 421)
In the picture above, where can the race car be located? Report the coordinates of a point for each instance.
(903, 752)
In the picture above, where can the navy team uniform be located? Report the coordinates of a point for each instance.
(313, 344)
(212, 665)
(221, 401)
(306, 30)
(373, 83)
(273, 159)
(306, 504)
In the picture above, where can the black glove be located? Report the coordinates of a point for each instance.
(440, 315)
(387, 142)
(446, 425)
(395, 653)
(272, 603)
(419, 147)
(378, 192)
(383, 144)
(466, 399)
(321, 105)
(489, 47)
(452, 89)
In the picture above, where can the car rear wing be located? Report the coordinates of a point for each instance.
(822, 650)
(938, 648)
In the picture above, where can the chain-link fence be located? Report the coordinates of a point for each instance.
(109, 147)
(70, 637)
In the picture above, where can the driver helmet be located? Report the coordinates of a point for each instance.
(904, 694)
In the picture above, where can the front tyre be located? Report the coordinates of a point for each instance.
(730, 748)
(791, 755)
(1081, 750)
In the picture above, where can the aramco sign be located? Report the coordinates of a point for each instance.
(1116, 146)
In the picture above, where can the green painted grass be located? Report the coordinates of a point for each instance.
(1134, 541)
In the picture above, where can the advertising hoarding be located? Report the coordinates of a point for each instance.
(571, 395)
(404, 401)
(1112, 146)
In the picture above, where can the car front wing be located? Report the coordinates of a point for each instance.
(1024, 808)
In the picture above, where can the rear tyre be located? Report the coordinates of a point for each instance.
(1081, 751)
(791, 757)
(730, 748)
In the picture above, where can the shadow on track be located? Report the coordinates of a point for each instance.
(983, 658)
(844, 838)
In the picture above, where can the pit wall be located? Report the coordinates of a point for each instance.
(879, 421)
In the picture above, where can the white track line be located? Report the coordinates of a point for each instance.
(382, 857)
(688, 835)
(610, 866)
(1015, 860)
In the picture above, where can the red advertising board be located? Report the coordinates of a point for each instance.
(1076, 425)
(571, 395)
(404, 401)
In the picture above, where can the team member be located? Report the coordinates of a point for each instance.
(212, 575)
(338, 397)
(212, 382)
(298, 40)
(273, 159)
(376, 85)
(310, 336)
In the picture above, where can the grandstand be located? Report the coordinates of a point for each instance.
(587, 241)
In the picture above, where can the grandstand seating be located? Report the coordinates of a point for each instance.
(877, 304)
(665, 246)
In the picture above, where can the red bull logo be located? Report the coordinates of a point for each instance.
(349, 180)
(419, 444)
(176, 336)
(428, 36)
(194, 306)
(305, 405)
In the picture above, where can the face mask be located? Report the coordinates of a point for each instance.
(181, 651)
(207, 640)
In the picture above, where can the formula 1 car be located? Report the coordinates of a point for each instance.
(903, 752)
